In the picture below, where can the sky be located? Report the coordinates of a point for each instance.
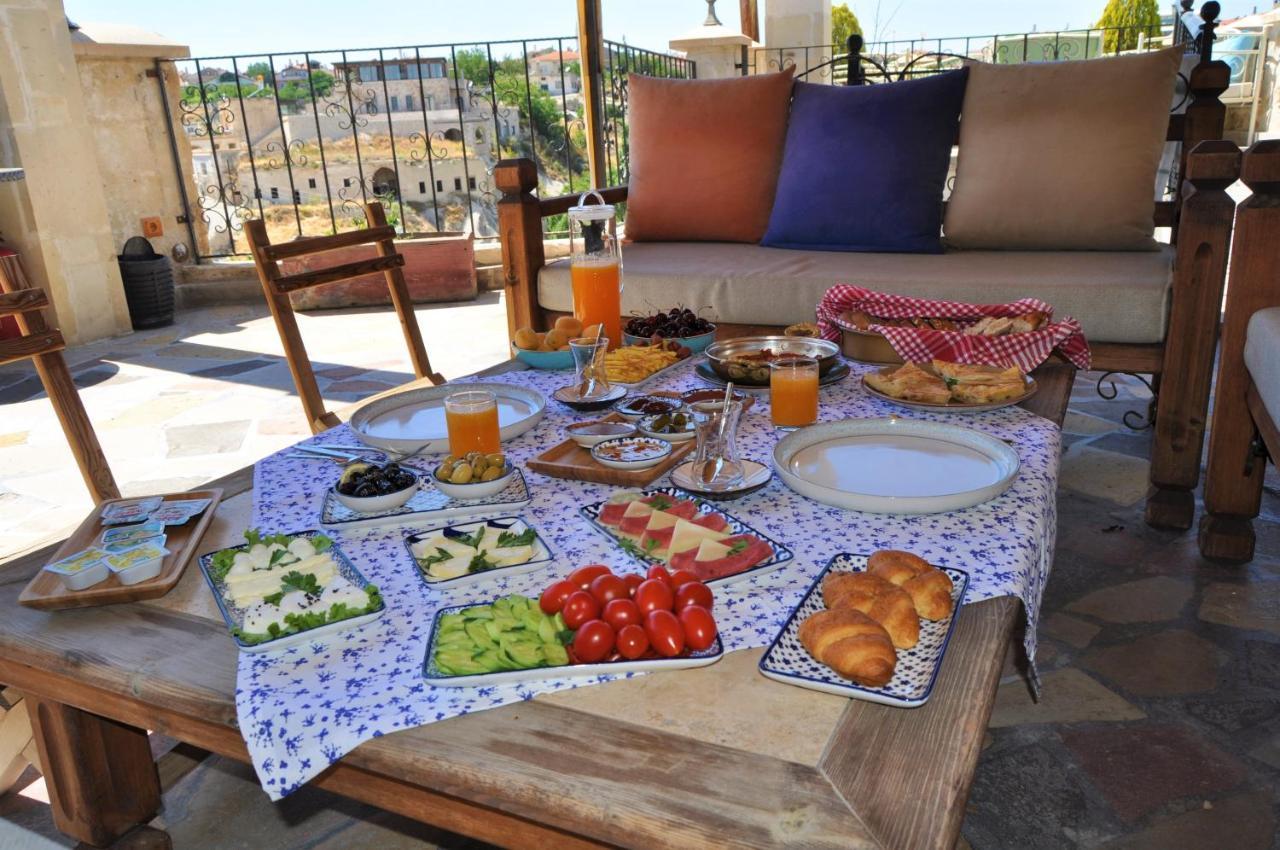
(224, 27)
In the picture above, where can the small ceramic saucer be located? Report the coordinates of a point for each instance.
(755, 475)
(568, 396)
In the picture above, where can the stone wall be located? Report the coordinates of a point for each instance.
(57, 218)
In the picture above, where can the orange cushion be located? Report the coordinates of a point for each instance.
(705, 156)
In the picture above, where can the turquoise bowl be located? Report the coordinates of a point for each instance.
(696, 344)
(544, 359)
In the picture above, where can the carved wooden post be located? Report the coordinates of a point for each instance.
(520, 229)
(1198, 274)
(1205, 117)
(1233, 483)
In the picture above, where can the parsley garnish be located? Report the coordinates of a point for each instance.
(306, 582)
(479, 563)
(473, 539)
(659, 502)
(440, 556)
(525, 538)
(738, 547)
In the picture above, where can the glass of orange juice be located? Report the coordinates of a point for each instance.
(472, 420)
(595, 266)
(793, 393)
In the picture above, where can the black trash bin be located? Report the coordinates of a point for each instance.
(148, 284)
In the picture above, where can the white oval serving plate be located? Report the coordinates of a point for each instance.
(413, 420)
(895, 466)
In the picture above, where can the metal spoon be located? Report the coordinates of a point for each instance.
(711, 468)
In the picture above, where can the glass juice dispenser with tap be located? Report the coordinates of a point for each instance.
(595, 266)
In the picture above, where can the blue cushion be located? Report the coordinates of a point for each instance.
(864, 166)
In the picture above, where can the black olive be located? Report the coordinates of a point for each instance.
(364, 490)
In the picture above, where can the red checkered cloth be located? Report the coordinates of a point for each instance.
(1024, 350)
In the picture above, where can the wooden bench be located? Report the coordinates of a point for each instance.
(1199, 216)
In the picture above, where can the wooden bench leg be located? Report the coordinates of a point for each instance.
(101, 778)
(1199, 272)
(1233, 483)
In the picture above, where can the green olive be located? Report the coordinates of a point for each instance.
(444, 471)
(497, 459)
(449, 460)
(462, 474)
(479, 465)
(491, 474)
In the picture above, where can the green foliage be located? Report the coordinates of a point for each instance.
(259, 69)
(1125, 21)
(844, 23)
(473, 65)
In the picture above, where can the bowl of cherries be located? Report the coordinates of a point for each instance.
(692, 331)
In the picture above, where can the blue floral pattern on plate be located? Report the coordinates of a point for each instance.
(304, 708)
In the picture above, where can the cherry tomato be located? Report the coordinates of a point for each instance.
(660, 572)
(632, 581)
(608, 587)
(621, 612)
(583, 576)
(699, 627)
(593, 642)
(665, 633)
(681, 577)
(693, 593)
(632, 641)
(552, 599)
(579, 607)
(654, 595)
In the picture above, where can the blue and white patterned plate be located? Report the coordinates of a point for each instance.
(234, 614)
(432, 675)
(786, 659)
(428, 504)
(781, 554)
(542, 553)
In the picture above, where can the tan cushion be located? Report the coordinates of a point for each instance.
(704, 156)
(1061, 155)
(1262, 357)
(1118, 297)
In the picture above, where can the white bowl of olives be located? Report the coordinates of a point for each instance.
(475, 476)
(370, 487)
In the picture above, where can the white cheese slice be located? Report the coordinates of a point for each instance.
(710, 550)
(689, 536)
(251, 587)
(510, 555)
(637, 509)
(661, 519)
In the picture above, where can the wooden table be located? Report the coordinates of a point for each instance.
(713, 757)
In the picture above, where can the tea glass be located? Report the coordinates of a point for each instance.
(715, 462)
(590, 376)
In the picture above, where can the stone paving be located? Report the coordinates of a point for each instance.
(1159, 723)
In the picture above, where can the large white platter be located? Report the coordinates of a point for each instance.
(786, 659)
(413, 421)
(432, 675)
(895, 466)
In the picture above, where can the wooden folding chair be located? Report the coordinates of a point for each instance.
(277, 286)
(44, 346)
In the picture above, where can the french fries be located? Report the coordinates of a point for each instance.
(637, 362)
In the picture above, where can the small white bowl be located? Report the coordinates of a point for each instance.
(475, 489)
(661, 449)
(619, 429)
(647, 423)
(374, 504)
(636, 417)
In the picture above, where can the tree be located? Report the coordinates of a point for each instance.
(473, 65)
(259, 69)
(1125, 21)
(844, 23)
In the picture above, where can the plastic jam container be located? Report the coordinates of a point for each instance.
(137, 564)
(81, 570)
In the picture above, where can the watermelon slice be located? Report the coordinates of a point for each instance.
(633, 526)
(684, 508)
(715, 521)
(659, 539)
(755, 551)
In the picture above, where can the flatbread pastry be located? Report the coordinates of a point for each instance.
(911, 383)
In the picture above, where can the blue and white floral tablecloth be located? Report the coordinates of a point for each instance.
(301, 709)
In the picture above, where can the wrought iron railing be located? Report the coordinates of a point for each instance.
(303, 139)
(905, 58)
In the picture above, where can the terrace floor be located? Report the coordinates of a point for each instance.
(1159, 723)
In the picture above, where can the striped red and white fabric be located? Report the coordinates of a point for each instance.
(1024, 350)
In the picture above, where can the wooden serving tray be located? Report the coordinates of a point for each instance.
(47, 592)
(570, 460)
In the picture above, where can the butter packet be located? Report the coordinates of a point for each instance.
(172, 513)
(129, 543)
(140, 554)
(134, 510)
(135, 533)
(191, 506)
(78, 562)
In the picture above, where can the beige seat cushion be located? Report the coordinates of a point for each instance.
(1262, 357)
(1118, 297)
(1061, 155)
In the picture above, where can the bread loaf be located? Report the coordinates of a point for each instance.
(887, 604)
(852, 644)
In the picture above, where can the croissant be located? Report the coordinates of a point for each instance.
(852, 644)
(928, 586)
(890, 606)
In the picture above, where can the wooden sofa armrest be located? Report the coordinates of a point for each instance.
(520, 215)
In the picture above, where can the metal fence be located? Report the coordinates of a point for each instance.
(303, 139)
(905, 58)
